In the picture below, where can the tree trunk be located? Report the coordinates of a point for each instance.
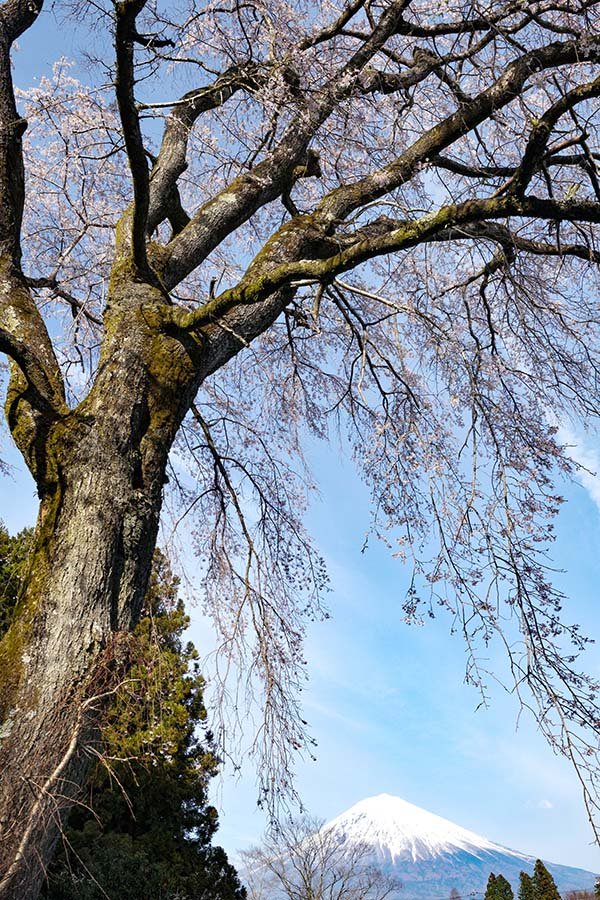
(66, 653)
(103, 472)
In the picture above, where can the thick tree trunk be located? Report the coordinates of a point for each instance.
(67, 650)
(103, 472)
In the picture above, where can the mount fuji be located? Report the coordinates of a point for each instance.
(430, 855)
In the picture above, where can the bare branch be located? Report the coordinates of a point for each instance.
(125, 36)
(540, 135)
(77, 306)
(171, 160)
(341, 202)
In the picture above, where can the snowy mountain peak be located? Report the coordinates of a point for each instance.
(430, 856)
(399, 830)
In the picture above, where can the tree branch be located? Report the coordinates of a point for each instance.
(249, 192)
(395, 237)
(36, 392)
(23, 335)
(15, 17)
(171, 160)
(342, 201)
(77, 306)
(329, 31)
(511, 241)
(125, 36)
(552, 158)
(540, 134)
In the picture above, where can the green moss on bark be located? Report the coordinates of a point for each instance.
(14, 644)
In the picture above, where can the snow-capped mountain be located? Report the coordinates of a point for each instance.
(400, 830)
(431, 855)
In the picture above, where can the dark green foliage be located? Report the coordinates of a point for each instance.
(503, 890)
(498, 888)
(526, 887)
(14, 552)
(539, 886)
(144, 829)
(149, 837)
(490, 891)
(544, 887)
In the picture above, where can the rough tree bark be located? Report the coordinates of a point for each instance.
(100, 501)
(99, 470)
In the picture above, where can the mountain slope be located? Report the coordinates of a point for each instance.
(431, 855)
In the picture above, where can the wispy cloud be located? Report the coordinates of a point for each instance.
(329, 712)
(586, 455)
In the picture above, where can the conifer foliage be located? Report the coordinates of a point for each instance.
(13, 558)
(503, 889)
(144, 828)
(539, 886)
(490, 891)
(498, 888)
(544, 887)
(526, 887)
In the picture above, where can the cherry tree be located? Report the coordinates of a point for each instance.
(238, 225)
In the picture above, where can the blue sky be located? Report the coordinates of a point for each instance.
(385, 701)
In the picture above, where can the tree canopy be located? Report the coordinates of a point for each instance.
(239, 227)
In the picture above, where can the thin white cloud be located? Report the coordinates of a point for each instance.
(545, 804)
(587, 455)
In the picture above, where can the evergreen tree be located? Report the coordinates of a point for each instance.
(149, 835)
(526, 887)
(498, 888)
(144, 829)
(503, 889)
(490, 891)
(543, 883)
